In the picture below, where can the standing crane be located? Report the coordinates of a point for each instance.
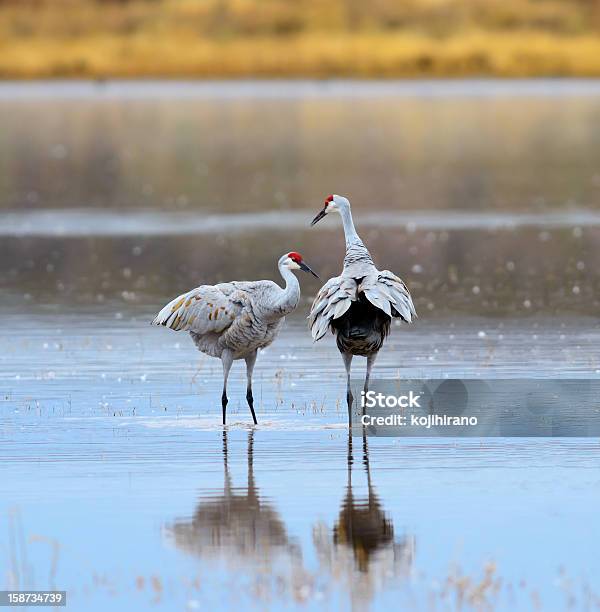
(234, 320)
(358, 305)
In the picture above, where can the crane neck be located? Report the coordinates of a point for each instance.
(358, 261)
(290, 295)
(349, 230)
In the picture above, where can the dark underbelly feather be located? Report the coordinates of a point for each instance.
(362, 329)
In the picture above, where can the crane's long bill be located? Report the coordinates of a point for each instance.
(305, 268)
(318, 217)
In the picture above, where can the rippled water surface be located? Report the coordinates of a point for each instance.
(121, 487)
(483, 196)
(118, 483)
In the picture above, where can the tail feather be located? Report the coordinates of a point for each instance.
(168, 315)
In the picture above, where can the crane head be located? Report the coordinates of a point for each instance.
(294, 261)
(332, 203)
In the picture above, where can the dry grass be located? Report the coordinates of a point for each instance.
(298, 38)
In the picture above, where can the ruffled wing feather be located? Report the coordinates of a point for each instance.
(206, 309)
(332, 301)
(387, 292)
(382, 288)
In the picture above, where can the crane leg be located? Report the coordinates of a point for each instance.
(227, 360)
(370, 361)
(250, 361)
(347, 357)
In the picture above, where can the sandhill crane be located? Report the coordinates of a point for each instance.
(234, 320)
(359, 304)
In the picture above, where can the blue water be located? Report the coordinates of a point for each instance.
(113, 459)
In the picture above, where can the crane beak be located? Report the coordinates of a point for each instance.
(322, 214)
(305, 268)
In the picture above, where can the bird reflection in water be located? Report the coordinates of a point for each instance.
(238, 525)
(362, 548)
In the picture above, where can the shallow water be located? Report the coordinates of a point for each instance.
(114, 459)
(120, 486)
(483, 196)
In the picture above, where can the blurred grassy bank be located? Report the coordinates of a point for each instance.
(298, 38)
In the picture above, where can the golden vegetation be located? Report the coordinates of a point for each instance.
(298, 38)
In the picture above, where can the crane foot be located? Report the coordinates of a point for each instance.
(250, 400)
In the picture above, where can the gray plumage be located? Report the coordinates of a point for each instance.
(234, 320)
(358, 305)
